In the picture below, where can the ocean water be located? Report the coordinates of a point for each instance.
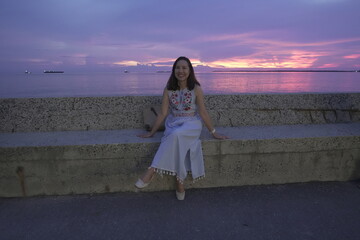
(122, 84)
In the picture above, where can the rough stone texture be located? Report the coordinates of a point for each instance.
(330, 116)
(342, 116)
(66, 114)
(111, 161)
(101, 113)
(89, 145)
(355, 116)
(317, 117)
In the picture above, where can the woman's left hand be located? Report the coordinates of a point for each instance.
(145, 135)
(219, 136)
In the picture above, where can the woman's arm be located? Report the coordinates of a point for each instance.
(160, 117)
(204, 114)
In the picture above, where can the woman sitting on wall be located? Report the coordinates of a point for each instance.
(180, 149)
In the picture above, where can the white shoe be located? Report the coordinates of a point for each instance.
(140, 184)
(180, 195)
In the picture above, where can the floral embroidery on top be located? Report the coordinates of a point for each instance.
(181, 100)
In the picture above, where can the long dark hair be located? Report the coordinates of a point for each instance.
(172, 83)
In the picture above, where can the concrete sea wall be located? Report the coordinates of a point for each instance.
(103, 113)
(57, 146)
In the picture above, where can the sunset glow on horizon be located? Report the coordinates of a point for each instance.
(142, 35)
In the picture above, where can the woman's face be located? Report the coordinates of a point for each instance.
(182, 71)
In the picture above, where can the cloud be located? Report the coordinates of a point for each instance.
(325, 1)
(352, 56)
(249, 33)
(294, 59)
(126, 63)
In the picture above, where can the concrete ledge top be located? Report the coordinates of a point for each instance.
(70, 138)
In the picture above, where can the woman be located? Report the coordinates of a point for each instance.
(180, 149)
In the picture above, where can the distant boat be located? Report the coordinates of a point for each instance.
(126, 71)
(27, 72)
(51, 71)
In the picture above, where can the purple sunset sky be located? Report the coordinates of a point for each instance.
(110, 35)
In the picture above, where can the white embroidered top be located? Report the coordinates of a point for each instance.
(182, 103)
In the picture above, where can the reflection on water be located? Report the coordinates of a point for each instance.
(115, 84)
(294, 82)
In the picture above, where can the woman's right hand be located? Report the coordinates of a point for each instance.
(145, 135)
(219, 136)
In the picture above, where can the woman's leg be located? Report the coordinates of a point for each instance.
(148, 175)
(180, 190)
(180, 186)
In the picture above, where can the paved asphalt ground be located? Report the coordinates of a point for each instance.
(319, 211)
